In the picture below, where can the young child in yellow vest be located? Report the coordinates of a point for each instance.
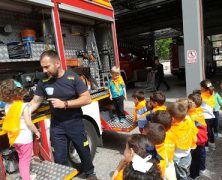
(140, 109)
(117, 92)
(157, 101)
(207, 95)
(198, 164)
(164, 118)
(156, 134)
(140, 160)
(18, 124)
(185, 133)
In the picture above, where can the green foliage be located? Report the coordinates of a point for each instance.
(162, 48)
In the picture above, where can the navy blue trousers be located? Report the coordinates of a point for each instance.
(198, 161)
(60, 134)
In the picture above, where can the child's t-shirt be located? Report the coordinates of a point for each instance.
(116, 89)
(208, 104)
(139, 113)
(25, 135)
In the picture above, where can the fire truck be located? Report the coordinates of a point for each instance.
(177, 60)
(83, 33)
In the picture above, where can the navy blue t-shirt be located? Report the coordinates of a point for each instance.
(68, 87)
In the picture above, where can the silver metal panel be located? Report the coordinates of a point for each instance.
(48, 170)
(38, 48)
(47, 3)
(84, 12)
(3, 52)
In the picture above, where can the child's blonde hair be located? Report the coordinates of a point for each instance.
(189, 103)
(115, 69)
(178, 110)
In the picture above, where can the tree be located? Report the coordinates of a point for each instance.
(162, 48)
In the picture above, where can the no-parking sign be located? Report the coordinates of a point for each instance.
(191, 56)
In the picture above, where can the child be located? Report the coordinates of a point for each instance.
(140, 160)
(217, 106)
(198, 154)
(157, 101)
(207, 95)
(156, 135)
(164, 118)
(140, 109)
(185, 134)
(18, 124)
(117, 91)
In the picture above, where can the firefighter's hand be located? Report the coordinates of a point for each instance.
(111, 98)
(57, 103)
(37, 135)
(126, 98)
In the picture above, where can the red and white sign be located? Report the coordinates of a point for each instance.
(191, 56)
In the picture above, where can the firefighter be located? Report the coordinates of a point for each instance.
(66, 94)
(159, 74)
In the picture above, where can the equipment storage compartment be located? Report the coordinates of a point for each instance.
(26, 33)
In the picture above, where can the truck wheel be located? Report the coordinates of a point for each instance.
(92, 137)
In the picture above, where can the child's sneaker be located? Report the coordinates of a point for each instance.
(212, 145)
(205, 173)
(122, 120)
(215, 135)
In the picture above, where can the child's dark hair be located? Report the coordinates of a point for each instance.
(162, 117)
(139, 95)
(10, 92)
(130, 174)
(178, 110)
(155, 133)
(139, 144)
(158, 97)
(196, 98)
(206, 84)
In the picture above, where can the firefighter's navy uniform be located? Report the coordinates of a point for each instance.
(66, 124)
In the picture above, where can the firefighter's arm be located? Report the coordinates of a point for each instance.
(82, 100)
(35, 102)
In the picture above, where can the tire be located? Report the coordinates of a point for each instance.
(92, 137)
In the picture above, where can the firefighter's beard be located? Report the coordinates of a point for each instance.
(54, 74)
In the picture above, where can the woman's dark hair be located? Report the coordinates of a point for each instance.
(162, 117)
(9, 92)
(206, 84)
(139, 95)
(153, 174)
(139, 144)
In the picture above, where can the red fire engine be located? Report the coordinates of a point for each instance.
(83, 33)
